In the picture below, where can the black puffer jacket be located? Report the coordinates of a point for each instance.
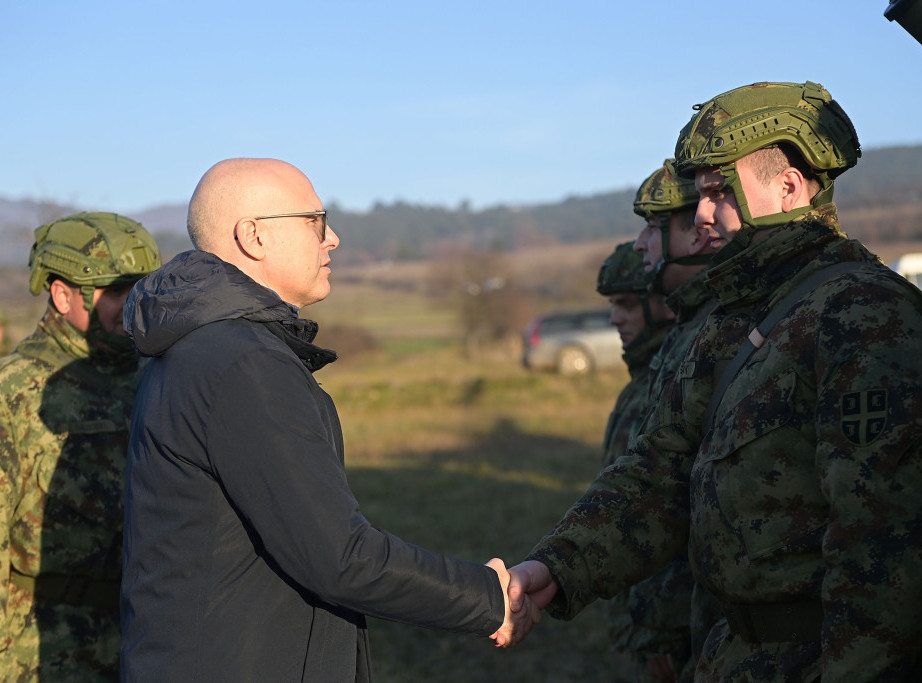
(246, 556)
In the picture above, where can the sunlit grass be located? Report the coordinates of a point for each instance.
(474, 459)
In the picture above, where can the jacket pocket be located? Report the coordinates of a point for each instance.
(757, 467)
(756, 413)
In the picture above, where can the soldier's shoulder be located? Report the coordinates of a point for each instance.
(869, 285)
(18, 372)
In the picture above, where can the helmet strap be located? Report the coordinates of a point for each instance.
(659, 269)
(750, 225)
(88, 292)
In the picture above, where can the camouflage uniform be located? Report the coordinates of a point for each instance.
(800, 506)
(633, 401)
(657, 616)
(632, 634)
(652, 620)
(64, 418)
(623, 273)
(63, 436)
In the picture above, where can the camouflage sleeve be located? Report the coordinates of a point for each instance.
(632, 519)
(9, 466)
(869, 459)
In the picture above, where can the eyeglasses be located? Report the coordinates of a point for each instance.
(305, 214)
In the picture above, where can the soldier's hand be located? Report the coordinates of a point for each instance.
(517, 623)
(531, 579)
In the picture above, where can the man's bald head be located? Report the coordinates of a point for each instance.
(288, 254)
(237, 188)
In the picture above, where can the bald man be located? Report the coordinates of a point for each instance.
(246, 556)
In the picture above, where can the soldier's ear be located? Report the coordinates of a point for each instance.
(62, 296)
(701, 241)
(794, 189)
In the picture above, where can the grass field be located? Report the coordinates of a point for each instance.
(475, 460)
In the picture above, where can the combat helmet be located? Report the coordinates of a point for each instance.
(91, 250)
(662, 193)
(623, 271)
(741, 121)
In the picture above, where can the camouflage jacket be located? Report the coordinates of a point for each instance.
(64, 416)
(805, 490)
(631, 405)
(653, 616)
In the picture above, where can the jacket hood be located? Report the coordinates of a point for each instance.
(192, 290)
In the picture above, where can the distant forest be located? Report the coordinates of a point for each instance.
(880, 200)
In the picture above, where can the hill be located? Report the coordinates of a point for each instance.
(880, 201)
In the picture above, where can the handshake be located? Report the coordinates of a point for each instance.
(528, 588)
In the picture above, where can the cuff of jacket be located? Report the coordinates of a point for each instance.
(568, 570)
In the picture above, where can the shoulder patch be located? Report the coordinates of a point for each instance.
(864, 415)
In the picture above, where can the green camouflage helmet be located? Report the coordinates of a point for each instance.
(740, 121)
(658, 197)
(664, 191)
(622, 272)
(92, 250)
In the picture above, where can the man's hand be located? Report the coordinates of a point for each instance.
(531, 581)
(518, 622)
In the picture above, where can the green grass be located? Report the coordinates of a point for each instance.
(473, 459)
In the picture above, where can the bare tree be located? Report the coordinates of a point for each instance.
(481, 287)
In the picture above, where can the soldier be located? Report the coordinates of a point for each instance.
(642, 319)
(68, 390)
(794, 477)
(653, 629)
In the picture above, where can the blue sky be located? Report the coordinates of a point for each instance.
(123, 105)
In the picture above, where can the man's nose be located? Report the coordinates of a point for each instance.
(704, 214)
(332, 238)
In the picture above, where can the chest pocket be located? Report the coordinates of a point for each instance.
(757, 467)
(756, 413)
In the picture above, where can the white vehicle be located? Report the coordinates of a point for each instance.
(573, 343)
(910, 267)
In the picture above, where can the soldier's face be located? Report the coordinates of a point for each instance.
(649, 243)
(718, 208)
(718, 211)
(109, 304)
(682, 239)
(627, 315)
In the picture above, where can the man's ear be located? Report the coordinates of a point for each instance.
(62, 297)
(250, 237)
(700, 241)
(794, 189)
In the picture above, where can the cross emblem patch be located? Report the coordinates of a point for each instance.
(864, 415)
